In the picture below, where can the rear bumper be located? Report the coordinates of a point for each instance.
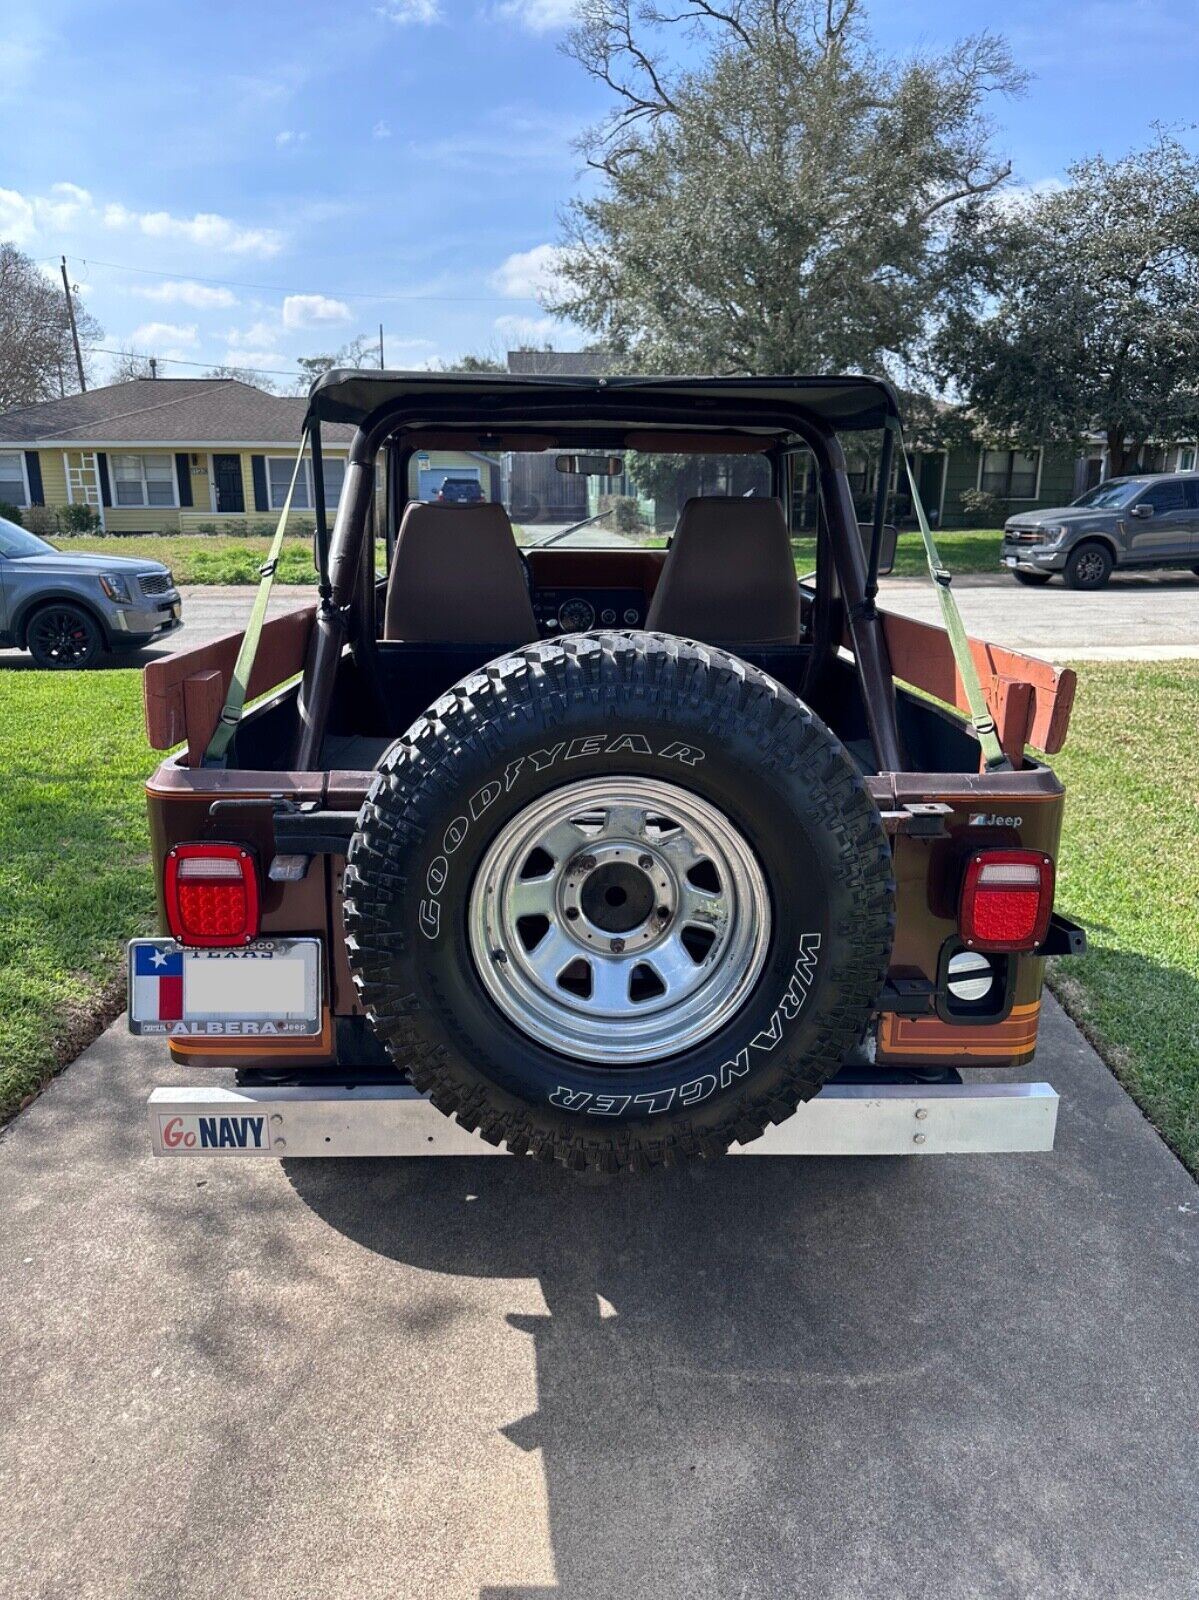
(845, 1119)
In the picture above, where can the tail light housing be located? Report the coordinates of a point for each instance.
(1007, 900)
(211, 894)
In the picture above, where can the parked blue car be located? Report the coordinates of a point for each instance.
(67, 610)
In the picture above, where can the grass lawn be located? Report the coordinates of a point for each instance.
(1129, 870)
(75, 878)
(962, 550)
(229, 558)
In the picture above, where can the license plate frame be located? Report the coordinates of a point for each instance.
(171, 990)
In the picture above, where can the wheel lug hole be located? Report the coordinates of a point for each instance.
(572, 913)
(617, 946)
(663, 913)
(645, 863)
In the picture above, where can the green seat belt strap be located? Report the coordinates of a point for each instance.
(235, 700)
(980, 717)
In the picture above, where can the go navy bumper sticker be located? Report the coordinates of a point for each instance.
(157, 984)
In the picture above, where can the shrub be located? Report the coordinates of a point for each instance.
(982, 507)
(78, 518)
(205, 527)
(41, 520)
(626, 515)
(12, 513)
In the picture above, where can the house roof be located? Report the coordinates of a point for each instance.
(766, 405)
(176, 411)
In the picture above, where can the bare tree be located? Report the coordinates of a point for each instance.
(357, 353)
(129, 364)
(775, 194)
(37, 360)
(257, 380)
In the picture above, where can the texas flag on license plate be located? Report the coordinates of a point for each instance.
(157, 984)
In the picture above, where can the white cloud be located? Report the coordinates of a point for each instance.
(183, 292)
(530, 274)
(529, 330)
(313, 311)
(262, 360)
(290, 136)
(23, 217)
(381, 130)
(403, 12)
(206, 228)
(151, 334)
(17, 221)
(539, 16)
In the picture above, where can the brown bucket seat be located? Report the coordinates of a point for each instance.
(729, 576)
(456, 576)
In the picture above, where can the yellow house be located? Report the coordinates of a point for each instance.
(167, 455)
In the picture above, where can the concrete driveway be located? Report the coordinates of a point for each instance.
(884, 1379)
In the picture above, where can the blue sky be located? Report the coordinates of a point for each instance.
(405, 161)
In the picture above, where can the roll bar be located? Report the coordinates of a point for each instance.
(871, 658)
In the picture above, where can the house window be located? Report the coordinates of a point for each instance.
(1186, 458)
(143, 480)
(279, 470)
(1010, 474)
(13, 491)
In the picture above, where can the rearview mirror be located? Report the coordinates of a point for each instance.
(886, 549)
(1140, 511)
(591, 466)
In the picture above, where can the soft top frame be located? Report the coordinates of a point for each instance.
(838, 403)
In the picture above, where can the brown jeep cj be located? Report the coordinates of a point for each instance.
(615, 848)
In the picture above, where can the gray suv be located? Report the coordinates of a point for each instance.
(1144, 522)
(66, 610)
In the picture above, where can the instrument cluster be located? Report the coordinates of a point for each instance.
(578, 611)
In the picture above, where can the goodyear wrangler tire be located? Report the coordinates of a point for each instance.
(618, 900)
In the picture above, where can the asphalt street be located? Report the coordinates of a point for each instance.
(904, 1379)
(1153, 617)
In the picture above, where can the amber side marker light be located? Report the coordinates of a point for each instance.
(211, 894)
(1007, 900)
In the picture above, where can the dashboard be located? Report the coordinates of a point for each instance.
(577, 610)
(576, 590)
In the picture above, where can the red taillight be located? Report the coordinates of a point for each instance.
(211, 894)
(1007, 900)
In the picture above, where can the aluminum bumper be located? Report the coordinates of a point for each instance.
(385, 1120)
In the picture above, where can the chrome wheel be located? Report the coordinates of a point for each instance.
(619, 920)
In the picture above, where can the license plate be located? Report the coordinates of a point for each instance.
(1010, 561)
(269, 990)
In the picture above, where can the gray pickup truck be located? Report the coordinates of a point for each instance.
(1147, 521)
(68, 609)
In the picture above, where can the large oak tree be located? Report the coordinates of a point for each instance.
(1086, 314)
(37, 358)
(774, 194)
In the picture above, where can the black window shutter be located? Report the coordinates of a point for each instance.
(33, 471)
(102, 469)
(262, 501)
(183, 475)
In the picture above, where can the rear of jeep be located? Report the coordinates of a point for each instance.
(616, 848)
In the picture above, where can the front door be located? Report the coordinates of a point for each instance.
(227, 481)
(1165, 535)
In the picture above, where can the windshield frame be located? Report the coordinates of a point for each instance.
(40, 546)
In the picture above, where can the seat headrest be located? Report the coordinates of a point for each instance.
(456, 576)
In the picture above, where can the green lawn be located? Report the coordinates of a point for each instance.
(75, 878)
(229, 558)
(1129, 870)
(962, 550)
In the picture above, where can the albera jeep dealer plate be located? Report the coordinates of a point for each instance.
(271, 989)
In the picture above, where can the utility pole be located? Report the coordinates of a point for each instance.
(154, 366)
(66, 283)
(380, 347)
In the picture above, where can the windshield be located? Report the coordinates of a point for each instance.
(585, 510)
(15, 542)
(1118, 493)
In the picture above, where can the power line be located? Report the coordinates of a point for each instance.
(342, 294)
(177, 361)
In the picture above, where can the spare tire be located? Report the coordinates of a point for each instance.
(618, 900)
